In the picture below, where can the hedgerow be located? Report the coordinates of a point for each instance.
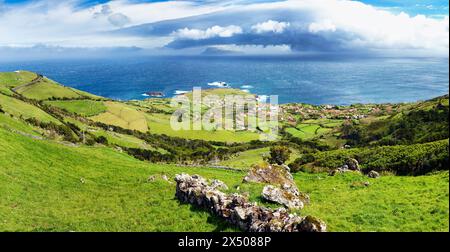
(416, 159)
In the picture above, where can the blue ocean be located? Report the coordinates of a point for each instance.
(315, 81)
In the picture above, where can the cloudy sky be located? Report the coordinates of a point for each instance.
(367, 27)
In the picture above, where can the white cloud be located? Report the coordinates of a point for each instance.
(322, 26)
(64, 22)
(118, 19)
(350, 23)
(215, 31)
(270, 26)
(258, 49)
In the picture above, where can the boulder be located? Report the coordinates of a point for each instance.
(283, 189)
(270, 174)
(237, 210)
(281, 196)
(353, 164)
(373, 174)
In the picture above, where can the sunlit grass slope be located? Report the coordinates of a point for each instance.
(25, 110)
(100, 189)
(81, 107)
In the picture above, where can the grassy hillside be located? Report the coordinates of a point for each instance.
(122, 115)
(70, 161)
(25, 110)
(13, 79)
(81, 107)
(413, 123)
(110, 191)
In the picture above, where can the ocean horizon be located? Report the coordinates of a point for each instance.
(299, 80)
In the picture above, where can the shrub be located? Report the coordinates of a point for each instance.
(416, 159)
(279, 154)
(101, 140)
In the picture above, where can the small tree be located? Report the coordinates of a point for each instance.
(279, 154)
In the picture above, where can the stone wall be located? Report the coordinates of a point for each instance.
(237, 210)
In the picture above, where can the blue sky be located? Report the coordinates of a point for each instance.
(413, 7)
(384, 27)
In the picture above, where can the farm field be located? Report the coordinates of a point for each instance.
(46, 89)
(81, 107)
(122, 115)
(160, 124)
(19, 108)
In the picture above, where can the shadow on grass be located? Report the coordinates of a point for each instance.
(220, 224)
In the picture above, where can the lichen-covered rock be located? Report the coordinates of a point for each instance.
(237, 210)
(270, 174)
(373, 174)
(353, 164)
(312, 224)
(283, 197)
(283, 189)
(217, 184)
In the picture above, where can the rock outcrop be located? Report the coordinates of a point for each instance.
(353, 164)
(237, 210)
(270, 174)
(283, 197)
(282, 188)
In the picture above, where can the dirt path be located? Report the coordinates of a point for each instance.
(38, 78)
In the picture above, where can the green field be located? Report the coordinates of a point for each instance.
(13, 79)
(244, 160)
(311, 129)
(47, 89)
(122, 115)
(109, 191)
(160, 124)
(81, 107)
(19, 108)
(125, 140)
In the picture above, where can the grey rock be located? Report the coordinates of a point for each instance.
(237, 210)
(282, 196)
(353, 164)
(373, 174)
(217, 184)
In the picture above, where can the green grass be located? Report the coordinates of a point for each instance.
(46, 185)
(16, 124)
(125, 140)
(45, 193)
(160, 124)
(311, 129)
(244, 160)
(123, 115)
(13, 79)
(81, 107)
(390, 203)
(47, 89)
(19, 108)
